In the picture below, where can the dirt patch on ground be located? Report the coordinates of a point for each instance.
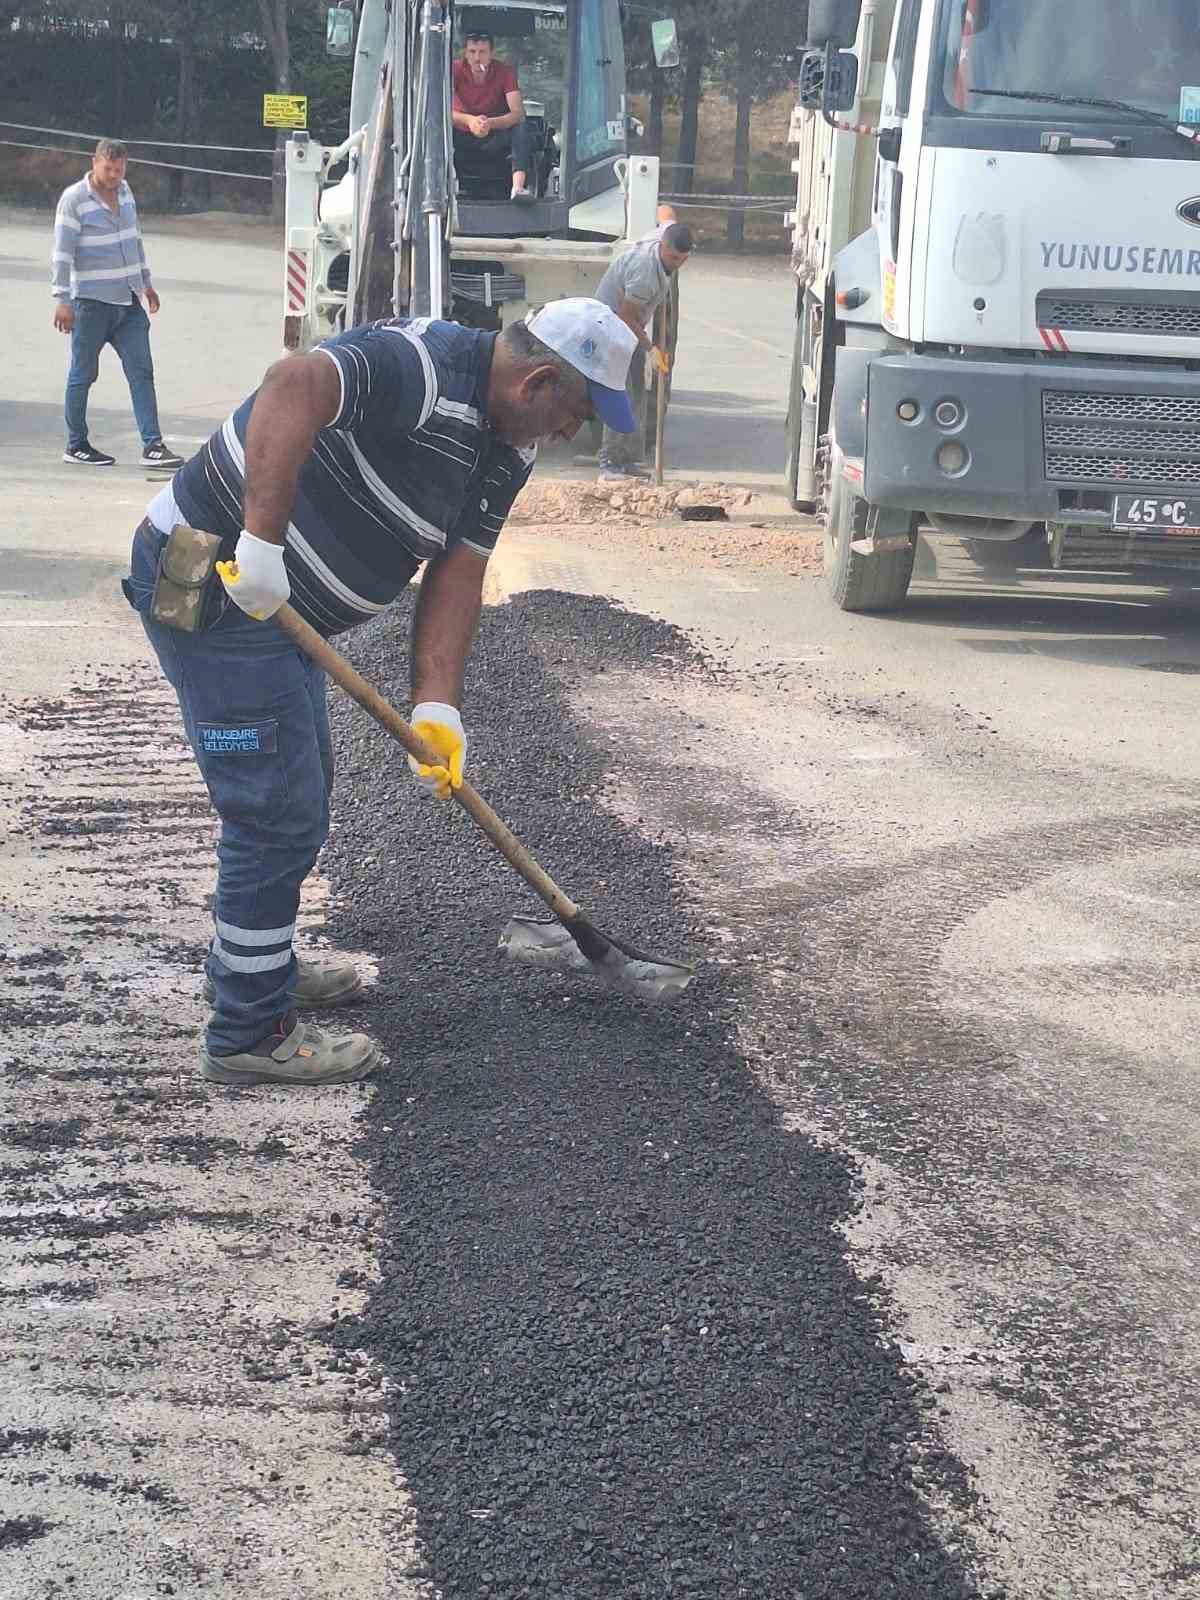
(644, 517)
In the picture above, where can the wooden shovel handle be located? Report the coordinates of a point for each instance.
(356, 686)
(660, 401)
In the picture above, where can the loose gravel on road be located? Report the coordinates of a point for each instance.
(626, 1353)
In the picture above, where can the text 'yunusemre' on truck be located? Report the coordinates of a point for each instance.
(997, 253)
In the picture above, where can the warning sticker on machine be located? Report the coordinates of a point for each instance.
(285, 111)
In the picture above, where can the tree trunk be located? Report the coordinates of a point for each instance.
(185, 94)
(116, 75)
(274, 15)
(654, 129)
(696, 47)
(736, 227)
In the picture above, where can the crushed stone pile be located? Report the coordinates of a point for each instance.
(556, 500)
(627, 1356)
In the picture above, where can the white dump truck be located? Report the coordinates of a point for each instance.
(997, 251)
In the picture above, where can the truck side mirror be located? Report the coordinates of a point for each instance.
(664, 37)
(828, 82)
(339, 31)
(833, 22)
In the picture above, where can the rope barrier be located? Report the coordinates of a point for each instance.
(730, 199)
(176, 144)
(758, 207)
(718, 202)
(141, 161)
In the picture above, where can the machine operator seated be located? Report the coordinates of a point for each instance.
(491, 137)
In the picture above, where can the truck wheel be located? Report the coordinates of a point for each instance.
(859, 582)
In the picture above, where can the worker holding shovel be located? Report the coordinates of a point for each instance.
(635, 285)
(388, 447)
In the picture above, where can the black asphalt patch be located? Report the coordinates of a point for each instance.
(628, 1357)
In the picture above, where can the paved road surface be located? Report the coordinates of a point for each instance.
(953, 851)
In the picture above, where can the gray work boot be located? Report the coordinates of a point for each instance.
(316, 988)
(296, 1053)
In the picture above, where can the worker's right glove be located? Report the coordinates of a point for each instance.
(256, 579)
(441, 728)
(661, 360)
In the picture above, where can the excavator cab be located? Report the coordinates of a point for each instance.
(419, 222)
(533, 46)
(569, 62)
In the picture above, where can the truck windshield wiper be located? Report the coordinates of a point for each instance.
(1155, 118)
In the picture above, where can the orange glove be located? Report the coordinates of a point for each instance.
(662, 360)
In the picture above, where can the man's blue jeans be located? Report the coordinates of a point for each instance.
(127, 329)
(254, 710)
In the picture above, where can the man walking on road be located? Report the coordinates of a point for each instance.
(390, 445)
(635, 285)
(99, 280)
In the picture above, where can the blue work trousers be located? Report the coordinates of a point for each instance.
(127, 329)
(254, 709)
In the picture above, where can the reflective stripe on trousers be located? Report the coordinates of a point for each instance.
(254, 710)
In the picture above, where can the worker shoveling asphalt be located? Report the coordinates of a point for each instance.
(571, 943)
(390, 446)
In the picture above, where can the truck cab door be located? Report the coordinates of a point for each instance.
(888, 198)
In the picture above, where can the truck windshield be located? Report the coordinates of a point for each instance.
(1144, 52)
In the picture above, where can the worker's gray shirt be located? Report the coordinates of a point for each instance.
(638, 276)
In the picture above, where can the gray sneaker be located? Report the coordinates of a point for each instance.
(296, 1053)
(316, 988)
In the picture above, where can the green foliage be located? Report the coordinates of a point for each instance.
(101, 81)
(761, 39)
(325, 81)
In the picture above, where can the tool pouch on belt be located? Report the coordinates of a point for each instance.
(185, 576)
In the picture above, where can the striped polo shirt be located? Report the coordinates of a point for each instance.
(408, 469)
(98, 253)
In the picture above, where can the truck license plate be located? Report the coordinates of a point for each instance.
(1164, 513)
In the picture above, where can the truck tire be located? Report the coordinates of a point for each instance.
(858, 582)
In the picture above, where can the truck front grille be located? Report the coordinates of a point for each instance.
(1133, 407)
(1142, 439)
(1171, 315)
(1079, 436)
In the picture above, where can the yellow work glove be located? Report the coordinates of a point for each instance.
(661, 360)
(441, 728)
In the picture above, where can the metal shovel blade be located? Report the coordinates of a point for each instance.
(547, 944)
